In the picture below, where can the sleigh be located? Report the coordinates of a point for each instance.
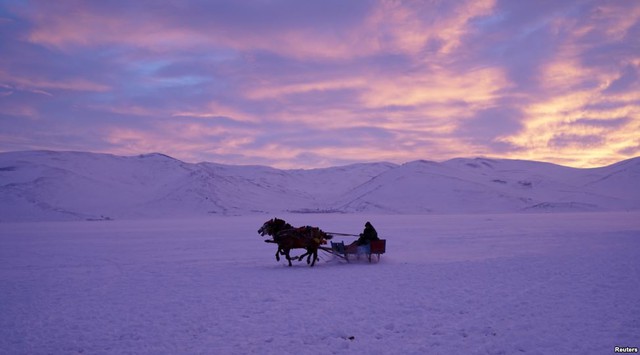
(376, 247)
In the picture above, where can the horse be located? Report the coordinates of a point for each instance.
(273, 227)
(288, 237)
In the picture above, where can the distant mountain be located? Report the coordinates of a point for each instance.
(46, 185)
(490, 185)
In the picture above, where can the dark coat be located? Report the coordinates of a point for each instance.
(367, 235)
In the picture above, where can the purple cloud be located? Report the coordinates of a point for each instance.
(612, 123)
(303, 84)
(579, 141)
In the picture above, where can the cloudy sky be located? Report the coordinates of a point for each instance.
(299, 84)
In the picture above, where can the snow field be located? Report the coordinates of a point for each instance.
(479, 284)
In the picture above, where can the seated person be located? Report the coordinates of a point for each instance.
(366, 237)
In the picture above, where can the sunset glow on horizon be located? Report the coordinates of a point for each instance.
(304, 84)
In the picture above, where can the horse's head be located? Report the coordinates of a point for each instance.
(273, 226)
(266, 228)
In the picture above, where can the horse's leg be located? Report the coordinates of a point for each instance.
(306, 249)
(303, 255)
(288, 256)
(310, 253)
(315, 256)
(278, 254)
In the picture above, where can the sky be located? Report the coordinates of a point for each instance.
(305, 84)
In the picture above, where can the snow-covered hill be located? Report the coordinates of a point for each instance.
(489, 185)
(46, 185)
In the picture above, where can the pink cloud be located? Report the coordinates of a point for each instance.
(384, 80)
(39, 85)
(387, 27)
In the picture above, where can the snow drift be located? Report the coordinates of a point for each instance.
(47, 185)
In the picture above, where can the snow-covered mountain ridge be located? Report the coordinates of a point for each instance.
(47, 185)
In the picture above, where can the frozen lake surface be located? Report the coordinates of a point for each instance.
(479, 284)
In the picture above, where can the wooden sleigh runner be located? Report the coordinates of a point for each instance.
(376, 247)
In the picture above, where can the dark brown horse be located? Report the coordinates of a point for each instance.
(272, 227)
(288, 237)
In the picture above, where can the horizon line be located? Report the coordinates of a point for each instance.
(128, 155)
